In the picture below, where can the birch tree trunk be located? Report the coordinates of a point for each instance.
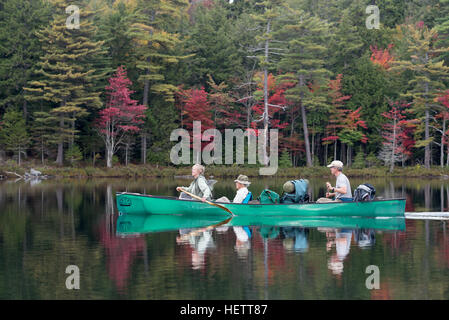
(394, 147)
(265, 98)
(304, 124)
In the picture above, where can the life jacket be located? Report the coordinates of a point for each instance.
(300, 195)
(268, 197)
(248, 197)
(364, 192)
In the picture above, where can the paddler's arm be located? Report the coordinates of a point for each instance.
(333, 190)
(188, 189)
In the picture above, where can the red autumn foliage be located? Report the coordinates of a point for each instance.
(122, 114)
(382, 57)
(404, 128)
(342, 118)
(276, 97)
(444, 114)
(278, 110)
(120, 254)
(194, 106)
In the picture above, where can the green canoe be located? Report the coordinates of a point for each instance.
(135, 203)
(139, 224)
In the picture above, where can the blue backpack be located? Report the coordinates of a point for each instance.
(248, 198)
(300, 195)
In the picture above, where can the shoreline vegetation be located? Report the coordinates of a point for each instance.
(230, 171)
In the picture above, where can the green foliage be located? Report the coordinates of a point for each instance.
(359, 160)
(73, 155)
(56, 76)
(19, 47)
(13, 133)
(427, 75)
(213, 42)
(284, 160)
(372, 160)
(153, 31)
(66, 72)
(369, 86)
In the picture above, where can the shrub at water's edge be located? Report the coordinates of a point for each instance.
(216, 171)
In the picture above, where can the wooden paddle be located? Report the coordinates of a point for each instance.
(208, 202)
(196, 232)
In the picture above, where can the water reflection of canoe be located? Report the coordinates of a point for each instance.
(138, 224)
(136, 203)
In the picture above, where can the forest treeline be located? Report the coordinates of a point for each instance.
(112, 88)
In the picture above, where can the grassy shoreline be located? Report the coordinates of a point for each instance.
(231, 171)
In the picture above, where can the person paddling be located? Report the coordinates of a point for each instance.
(199, 186)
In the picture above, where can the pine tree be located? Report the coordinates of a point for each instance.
(214, 44)
(113, 26)
(43, 132)
(271, 11)
(154, 31)
(13, 133)
(155, 42)
(346, 44)
(67, 76)
(442, 27)
(304, 60)
(19, 49)
(426, 75)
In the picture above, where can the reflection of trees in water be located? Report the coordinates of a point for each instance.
(38, 227)
(120, 252)
(427, 194)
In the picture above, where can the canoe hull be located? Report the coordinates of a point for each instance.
(133, 203)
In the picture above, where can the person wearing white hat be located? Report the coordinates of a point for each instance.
(342, 189)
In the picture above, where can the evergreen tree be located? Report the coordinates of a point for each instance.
(442, 27)
(346, 44)
(266, 22)
(19, 47)
(66, 73)
(426, 76)
(214, 46)
(113, 26)
(304, 60)
(13, 133)
(43, 132)
(155, 40)
(154, 31)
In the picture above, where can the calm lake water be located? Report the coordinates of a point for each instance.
(47, 226)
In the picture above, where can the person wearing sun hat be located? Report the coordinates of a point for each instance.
(243, 195)
(342, 189)
(241, 184)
